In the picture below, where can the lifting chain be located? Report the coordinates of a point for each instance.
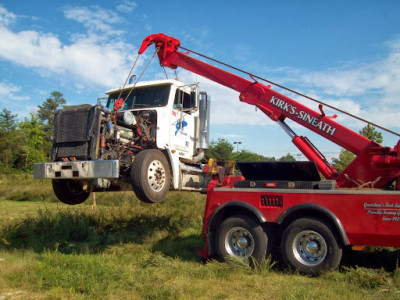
(141, 74)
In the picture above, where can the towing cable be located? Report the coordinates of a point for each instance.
(292, 91)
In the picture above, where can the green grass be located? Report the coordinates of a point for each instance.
(126, 249)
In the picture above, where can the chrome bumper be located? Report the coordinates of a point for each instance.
(88, 169)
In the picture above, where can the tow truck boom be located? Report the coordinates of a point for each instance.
(375, 166)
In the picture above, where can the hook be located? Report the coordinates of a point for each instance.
(321, 109)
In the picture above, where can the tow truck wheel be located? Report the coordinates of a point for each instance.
(70, 191)
(150, 176)
(310, 246)
(241, 237)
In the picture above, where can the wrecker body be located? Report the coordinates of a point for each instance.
(308, 210)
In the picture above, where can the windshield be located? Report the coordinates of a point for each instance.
(149, 96)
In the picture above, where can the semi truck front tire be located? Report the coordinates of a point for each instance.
(70, 191)
(150, 175)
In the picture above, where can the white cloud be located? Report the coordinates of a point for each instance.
(88, 59)
(7, 93)
(126, 6)
(96, 19)
(228, 135)
(382, 77)
(31, 49)
(370, 90)
(6, 17)
(226, 107)
(6, 88)
(11, 99)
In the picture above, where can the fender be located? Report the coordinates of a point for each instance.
(210, 247)
(314, 207)
(174, 167)
(240, 204)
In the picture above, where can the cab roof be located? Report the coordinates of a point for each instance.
(147, 83)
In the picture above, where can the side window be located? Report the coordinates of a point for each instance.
(110, 103)
(184, 100)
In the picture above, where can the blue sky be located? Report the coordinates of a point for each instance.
(346, 53)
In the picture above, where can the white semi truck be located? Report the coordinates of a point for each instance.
(150, 137)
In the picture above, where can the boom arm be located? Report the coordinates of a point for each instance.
(279, 107)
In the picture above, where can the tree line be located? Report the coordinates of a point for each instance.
(22, 143)
(223, 150)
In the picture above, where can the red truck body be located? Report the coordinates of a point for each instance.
(360, 217)
(355, 218)
(311, 221)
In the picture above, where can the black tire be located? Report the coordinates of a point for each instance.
(241, 237)
(70, 191)
(150, 176)
(310, 246)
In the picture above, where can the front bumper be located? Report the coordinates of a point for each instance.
(88, 169)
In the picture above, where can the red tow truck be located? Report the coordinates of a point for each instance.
(308, 210)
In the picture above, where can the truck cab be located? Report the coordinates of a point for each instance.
(164, 102)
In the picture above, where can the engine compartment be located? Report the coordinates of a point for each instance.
(87, 132)
(129, 133)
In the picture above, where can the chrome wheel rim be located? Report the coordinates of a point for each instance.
(156, 175)
(239, 242)
(309, 248)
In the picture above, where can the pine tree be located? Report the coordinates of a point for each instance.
(8, 138)
(8, 121)
(47, 111)
(371, 133)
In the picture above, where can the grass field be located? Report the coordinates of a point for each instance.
(125, 249)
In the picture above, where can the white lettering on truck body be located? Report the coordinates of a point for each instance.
(302, 115)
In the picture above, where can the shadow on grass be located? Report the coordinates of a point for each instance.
(75, 231)
(372, 257)
(184, 248)
(79, 232)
